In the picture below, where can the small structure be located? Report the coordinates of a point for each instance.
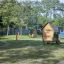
(17, 36)
(49, 34)
(33, 33)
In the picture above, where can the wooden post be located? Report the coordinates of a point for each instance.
(17, 35)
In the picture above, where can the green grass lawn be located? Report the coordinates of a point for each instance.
(29, 51)
(20, 37)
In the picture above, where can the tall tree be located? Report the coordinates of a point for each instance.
(10, 12)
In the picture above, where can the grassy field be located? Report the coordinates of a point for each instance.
(29, 51)
(20, 37)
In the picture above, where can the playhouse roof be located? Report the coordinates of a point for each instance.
(54, 27)
(47, 23)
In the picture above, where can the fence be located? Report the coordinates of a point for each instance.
(13, 31)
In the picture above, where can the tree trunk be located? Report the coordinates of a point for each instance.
(7, 30)
(21, 30)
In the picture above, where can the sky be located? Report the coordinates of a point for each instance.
(29, 0)
(61, 1)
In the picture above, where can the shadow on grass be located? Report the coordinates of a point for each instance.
(23, 43)
(19, 43)
(3, 38)
(28, 49)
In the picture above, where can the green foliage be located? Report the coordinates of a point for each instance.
(28, 13)
(48, 4)
(42, 20)
(59, 22)
(11, 12)
(55, 22)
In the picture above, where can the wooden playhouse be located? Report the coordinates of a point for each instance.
(49, 34)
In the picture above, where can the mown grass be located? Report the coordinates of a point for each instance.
(20, 37)
(29, 51)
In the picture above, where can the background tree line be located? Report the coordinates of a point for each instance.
(30, 13)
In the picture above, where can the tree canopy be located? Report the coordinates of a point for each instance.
(30, 13)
